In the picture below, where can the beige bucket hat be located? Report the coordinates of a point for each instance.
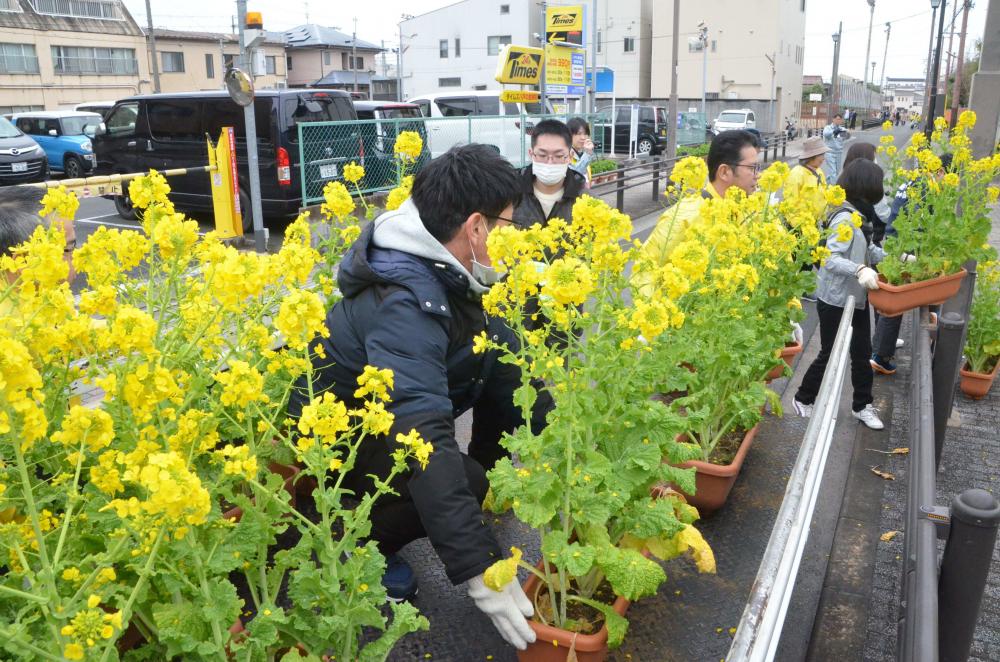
(813, 147)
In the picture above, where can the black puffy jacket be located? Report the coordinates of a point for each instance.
(417, 317)
(530, 210)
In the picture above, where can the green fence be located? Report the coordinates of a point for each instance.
(326, 147)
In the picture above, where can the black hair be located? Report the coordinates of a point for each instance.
(462, 181)
(576, 125)
(857, 151)
(862, 181)
(19, 207)
(551, 128)
(840, 115)
(946, 160)
(726, 148)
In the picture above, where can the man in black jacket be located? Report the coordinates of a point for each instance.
(412, 286)
(549, 188)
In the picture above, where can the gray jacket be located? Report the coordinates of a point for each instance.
(838, 276)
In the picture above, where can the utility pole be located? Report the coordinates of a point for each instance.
(770, 92)
(868, 50)
(930, 59)
(250, 123)
(152, 49)
(593, 57)
(385, 64)
(871, 84)
(943, 85)
(354, 52)
(545, 54)
(885, 56)
(703, 37)
(836, 65)
(932, 110)
(956, 90)
(675, 37)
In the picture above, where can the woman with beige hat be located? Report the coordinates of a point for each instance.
(807, 179)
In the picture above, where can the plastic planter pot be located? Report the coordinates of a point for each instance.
(713, 482)
(788, 354)
(894, 300)
(977, 384)
(286, 471)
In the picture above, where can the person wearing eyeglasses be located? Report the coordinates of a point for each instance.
(412, 286)
(549, 188)
(732, 161)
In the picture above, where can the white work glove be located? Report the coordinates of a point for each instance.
(908, 257)
(797, 335)
(509, 610)
(868, 278)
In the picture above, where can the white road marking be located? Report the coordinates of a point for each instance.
(96, 220)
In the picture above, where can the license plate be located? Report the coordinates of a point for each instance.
(328, 171)
(19, 167)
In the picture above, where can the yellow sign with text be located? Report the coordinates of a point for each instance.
(564, 24)
(519, 65)
(558, 65)
(519, 96)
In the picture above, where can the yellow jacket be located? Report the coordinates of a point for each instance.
(669, 231)
(810, 184)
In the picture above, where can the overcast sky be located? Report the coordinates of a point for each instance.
(377, 20)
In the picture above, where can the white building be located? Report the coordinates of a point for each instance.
(742, 36)
(456, 47)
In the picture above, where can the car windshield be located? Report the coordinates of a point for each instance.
(8, 130)
(398, 113)
(73, 126)
(732, 117)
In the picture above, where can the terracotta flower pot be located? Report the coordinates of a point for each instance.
(894, 300)
(713, 482)
(553, 644)
(977, 384)
(288, 472)
(788, 354)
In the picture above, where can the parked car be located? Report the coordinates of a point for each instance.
(386, 120)
(500, 125)
(21, 159)
(729, 120)
(651, 137)
(99, 107)
(164, 131)
(65, 135)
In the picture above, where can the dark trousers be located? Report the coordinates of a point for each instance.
(861, 349)
(886, 333)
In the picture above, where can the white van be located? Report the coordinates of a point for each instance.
(458, 118)
(732, 119)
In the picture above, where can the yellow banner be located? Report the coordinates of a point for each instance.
(519, 96)
(519, 65)
(564, 24)
(558, 65)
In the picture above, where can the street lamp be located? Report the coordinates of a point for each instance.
(836, 64)
(932, 108)
(930, 56)
(868, 49)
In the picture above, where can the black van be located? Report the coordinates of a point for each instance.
(164, 131)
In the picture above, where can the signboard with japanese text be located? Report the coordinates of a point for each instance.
(519, 65)
(564, 71)
(564, 24)
(519, 96)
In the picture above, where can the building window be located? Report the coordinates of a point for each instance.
(713, 45)
(504, 9)
(458, 47)
(18, 59)
(443, 47)
(209, 66)
(271, 63)
(600, 41)
(629, 44)
(228, 61)
(10, 5)
(288, 63)
(449, 82)
(494, 43)
(172, 62)
(104, 9)
(87, 60)
(344, 64)
(349, 62)
(326, 58)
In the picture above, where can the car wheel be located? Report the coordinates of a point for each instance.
(124, 206)
(73, 168)
(644, 147)
(246, 211)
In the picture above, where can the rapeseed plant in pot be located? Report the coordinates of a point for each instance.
(130, 421)
(585, 481)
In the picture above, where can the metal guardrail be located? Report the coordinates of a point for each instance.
(759, 631)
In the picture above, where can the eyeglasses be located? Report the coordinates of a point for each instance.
(543, 157)
(755, 167)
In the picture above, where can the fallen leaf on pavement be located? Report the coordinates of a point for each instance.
(888, 535)
(882, 474)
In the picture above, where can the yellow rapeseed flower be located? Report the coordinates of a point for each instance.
(353, 172)
(408, 146)
(338, 202)
(61, 201)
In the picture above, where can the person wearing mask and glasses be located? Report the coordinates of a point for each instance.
(549, 189)
(732, 161)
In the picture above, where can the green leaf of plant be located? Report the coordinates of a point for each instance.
(405, 619)
(616, 624)
(630, 574)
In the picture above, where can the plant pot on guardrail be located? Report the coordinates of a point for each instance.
(977, 384)
(788, 354)
(714, 482)
(894, 300)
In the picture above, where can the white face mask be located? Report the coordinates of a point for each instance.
(487, 275)
(549, 173)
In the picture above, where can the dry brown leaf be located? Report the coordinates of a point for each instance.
(900, 451)
(888, 535)
(882, 474)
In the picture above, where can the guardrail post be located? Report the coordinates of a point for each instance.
(784, 146)
(656, 178)
(775, 149)
(944, 374)
(620, 192)
(975, 515)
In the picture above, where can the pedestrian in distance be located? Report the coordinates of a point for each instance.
(809, 175)
(582, 152)
(412, 287)
(549, 188)
(834, 136)
(847, 271)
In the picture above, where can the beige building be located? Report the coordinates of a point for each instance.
(743, 38)
(193, 61)
(55, 54)
(318, 56)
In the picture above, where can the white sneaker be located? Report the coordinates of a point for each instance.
(803, 410)
(869, 416)
(900, 342)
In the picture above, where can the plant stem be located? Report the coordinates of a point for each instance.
(139, 585)
(8, 636)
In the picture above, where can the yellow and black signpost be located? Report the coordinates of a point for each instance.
(564, 24)
(519, 65)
